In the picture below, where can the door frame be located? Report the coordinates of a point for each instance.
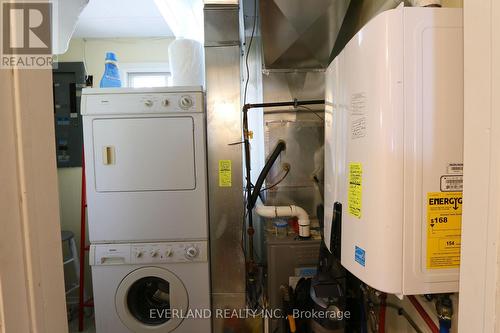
(32, 296)
(479, 304)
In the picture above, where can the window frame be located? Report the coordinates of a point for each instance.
(144, 68)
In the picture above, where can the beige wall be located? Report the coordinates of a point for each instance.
(92, 52)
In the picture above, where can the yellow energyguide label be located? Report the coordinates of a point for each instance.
(354, 194)
(225, 173)
(444, 225)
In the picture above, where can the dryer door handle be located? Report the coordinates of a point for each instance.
(108, 155)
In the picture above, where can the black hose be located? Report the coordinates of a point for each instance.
(280, 146)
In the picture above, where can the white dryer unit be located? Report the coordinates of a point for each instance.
(393, 150)
(151, 287)
(145, 164)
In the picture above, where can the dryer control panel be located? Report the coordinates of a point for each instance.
(112, 101)
(148, 253)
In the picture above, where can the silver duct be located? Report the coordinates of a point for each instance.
(358, 14)
(222, 61)
(300, 34)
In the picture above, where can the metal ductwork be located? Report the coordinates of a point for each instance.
(358, 14)
(300, 34)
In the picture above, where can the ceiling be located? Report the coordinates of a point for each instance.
(121, 18)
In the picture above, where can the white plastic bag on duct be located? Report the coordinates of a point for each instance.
(67, 14)
(186, 62)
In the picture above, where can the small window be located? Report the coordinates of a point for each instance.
(151, 79)
(145, 74)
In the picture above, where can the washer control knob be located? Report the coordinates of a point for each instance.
(153, 253)
(165, 102)
(138, 253)
(169, 253)
(186, 102)
(148, 103)
(191, 252)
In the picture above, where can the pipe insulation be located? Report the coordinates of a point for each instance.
(287, 211)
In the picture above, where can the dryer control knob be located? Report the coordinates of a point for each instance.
(186, 102)
(191, 252)
(138, 253)
(148, 103)
(169, 252)
(153, 253)
(165, 102)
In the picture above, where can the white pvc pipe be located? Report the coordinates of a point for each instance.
(287, 211)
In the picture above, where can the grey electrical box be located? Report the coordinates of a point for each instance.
(287, 258)
(68, 81)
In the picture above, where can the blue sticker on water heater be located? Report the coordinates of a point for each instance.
(359, 255)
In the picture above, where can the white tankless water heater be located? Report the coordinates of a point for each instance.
(393, 151)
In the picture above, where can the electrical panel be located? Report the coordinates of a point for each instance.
(68, 81)
(394, 151)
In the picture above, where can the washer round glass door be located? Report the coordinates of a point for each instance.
(152, 299)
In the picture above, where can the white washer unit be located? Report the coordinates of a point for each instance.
(151, 287)
(145, 164)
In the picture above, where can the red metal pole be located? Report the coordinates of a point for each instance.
(425, 316)
(81, 301)
(382, 310)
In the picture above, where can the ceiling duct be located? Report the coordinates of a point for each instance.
(300, 34)
(358, 14)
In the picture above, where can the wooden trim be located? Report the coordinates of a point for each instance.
(31, 275)
(479, 278)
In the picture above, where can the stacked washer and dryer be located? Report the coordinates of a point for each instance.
(145, 152)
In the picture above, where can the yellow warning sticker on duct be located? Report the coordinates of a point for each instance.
(444, 225)
(225, 173)
(355, 189)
